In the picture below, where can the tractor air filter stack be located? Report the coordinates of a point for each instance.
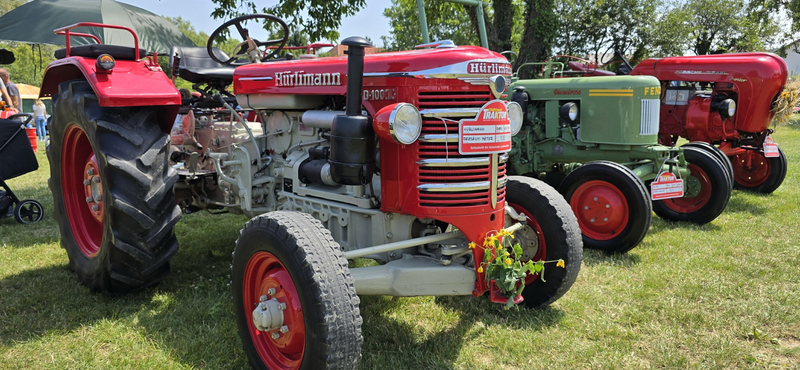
(353, 140)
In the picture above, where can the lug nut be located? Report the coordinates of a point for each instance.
(99, 198)
(276, 335)
(605, 219)
(95, 207)
(89, 199)
(284, 329)
(96, 179)
(595, 199)
(264, 298)
(592, 220)
(608, 206)
(87, 182)
(90, 172)
(586, 207)
(271, 291)
(282, 306)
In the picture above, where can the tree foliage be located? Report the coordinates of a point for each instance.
(320, 19)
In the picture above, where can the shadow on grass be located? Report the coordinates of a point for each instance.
(391, 343)
(592, 257)
(660, 225)
(742, 202)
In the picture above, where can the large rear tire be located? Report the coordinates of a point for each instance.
(756, 173)
(612, 205)
(552, 233)
(291, 257)
(708, 190)
(713, 150)
(112, 191)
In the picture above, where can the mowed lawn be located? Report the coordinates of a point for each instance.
(720, 296)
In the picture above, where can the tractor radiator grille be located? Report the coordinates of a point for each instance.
(447, 178)
(650, 116)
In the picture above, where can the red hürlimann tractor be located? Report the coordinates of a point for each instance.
(725, 100)
(394, 157)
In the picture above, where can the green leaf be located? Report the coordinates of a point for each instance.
(517, 251)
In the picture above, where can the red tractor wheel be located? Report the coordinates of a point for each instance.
(112, 191)
(754, 172)
(551, 233)
(612, 205)
(295, 302)
(718, 154)
(706, 194)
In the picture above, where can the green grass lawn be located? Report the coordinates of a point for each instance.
(723, 295)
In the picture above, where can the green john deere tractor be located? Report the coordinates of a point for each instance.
(595, 140)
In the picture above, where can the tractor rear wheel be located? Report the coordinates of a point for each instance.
(552, 233)
(756, 173)
(708, 190)
(713, 150)
(112, 191)
(612, 205)
(287, 268)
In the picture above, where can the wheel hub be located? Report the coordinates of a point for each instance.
(93, 188)
(268, 314)
(528, 240)
(601, 209)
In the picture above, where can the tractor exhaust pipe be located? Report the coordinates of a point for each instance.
(353, 141)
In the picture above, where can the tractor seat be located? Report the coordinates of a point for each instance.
(197, 67)
(95, 50)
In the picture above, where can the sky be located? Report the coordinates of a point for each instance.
(368, 22)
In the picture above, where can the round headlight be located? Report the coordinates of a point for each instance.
(498, 85)
(105, 62)
(727, 108)
(405, 123)
(515, 117)
(569, 111)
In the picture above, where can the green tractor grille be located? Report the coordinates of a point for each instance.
(651, 109)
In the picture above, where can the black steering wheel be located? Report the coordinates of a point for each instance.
(250, 48)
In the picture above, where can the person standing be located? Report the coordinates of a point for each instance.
(4, 93)
(13, 91)
(39, 112)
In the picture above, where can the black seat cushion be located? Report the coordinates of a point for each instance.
(196, 65)
(96, 50)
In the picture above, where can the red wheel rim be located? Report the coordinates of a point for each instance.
(541, 252)
(601, 209)
(751, 168)
(698, 179)
(265, 271)
(85, 215)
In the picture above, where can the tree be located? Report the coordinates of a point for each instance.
(446, 21)
(324, 16)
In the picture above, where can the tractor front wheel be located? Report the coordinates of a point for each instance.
(112, 191)
(551, 233)
(718, 154)
(294, 298)
(706, 194)
(757, 173)
(612, 205)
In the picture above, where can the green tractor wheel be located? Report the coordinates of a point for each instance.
(708, 190)
(726, 162)
(612, 205)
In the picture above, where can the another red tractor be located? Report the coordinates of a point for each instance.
(394, 157)
(725, 100)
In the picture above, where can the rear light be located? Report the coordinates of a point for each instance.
(105, 63)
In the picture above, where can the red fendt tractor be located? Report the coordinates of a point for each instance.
(725, 100)
(394, 157)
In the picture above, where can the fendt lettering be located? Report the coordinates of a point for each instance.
(300, 78)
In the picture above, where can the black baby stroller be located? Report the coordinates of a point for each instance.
(17, 159)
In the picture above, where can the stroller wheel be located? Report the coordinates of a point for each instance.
(28, 211)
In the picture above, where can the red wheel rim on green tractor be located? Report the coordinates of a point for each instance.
(541, 251)
(82, 189)
(698, 192)
(264, 272)
(601, 209)
(751, 169)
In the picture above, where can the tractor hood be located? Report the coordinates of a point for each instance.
(328, 75)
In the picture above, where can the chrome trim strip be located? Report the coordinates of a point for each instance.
(454, 187)
(439, 138)
(450, 112)
(503, 158)
(255, 79)
(453, 162)
(493, 179)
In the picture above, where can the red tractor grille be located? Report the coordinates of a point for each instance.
(447, 178)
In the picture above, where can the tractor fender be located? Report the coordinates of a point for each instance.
(130, 83)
